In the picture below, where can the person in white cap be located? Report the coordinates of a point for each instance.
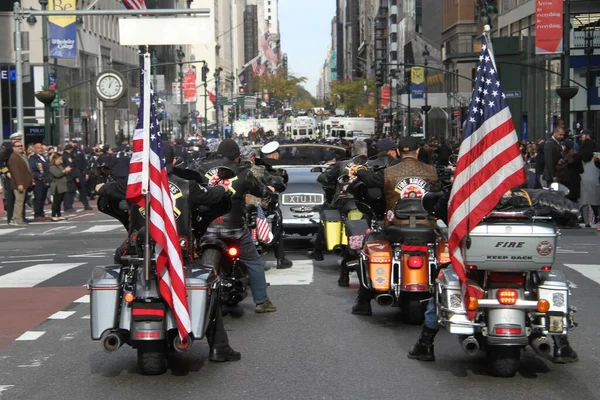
(16, 137)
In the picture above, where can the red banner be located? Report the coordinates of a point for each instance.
(385, 95)
(189, 86)
(548, 26)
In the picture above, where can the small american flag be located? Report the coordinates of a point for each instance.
(489, 163)
(148, 173)
(263, 231)
(135, 4)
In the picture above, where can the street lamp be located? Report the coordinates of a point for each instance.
(426, 107)
(488, 11)
(217, 80)
(182, 121)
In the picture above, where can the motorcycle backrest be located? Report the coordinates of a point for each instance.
(406, 208)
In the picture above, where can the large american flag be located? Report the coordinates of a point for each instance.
(263, 232)
(135, 4)
(163, 228)
(489, 163)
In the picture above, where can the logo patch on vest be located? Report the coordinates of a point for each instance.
(411, 188)
(175, 194)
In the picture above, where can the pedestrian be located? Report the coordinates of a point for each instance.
(590, 178)
(40, 167)
(552, 154)
(68, 161)
(574, 169)
(58, 187)
(21, 181)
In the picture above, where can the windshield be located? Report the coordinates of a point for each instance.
(305, 155)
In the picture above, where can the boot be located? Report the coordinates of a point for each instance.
(563, 352)
(315, 255)
(344, 279)
(423, 349)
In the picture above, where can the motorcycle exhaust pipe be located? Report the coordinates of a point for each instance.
(238, 297)
(112, 342)
(338, 250)
(541, 345)
(385, 300)
(470, 346)
(182, 346)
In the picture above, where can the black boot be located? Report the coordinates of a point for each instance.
(363, 302)
(283, 263)
(344, 279)
(423, 349)
(224, 354)
(563, 352)
(315, 255)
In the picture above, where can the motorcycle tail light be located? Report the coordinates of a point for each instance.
(508, 331)
(507, 297)
(128, 297)
(543, 306)
(416, 287)
(546, 268)
(232, 251)
(415, 262)
(473, 304)
(471, 267)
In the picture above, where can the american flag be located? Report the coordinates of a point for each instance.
(263, 231)
(163, 228)
(135, 4)
(264, 41)
(489, 163)
(256, 67)
(271, 55)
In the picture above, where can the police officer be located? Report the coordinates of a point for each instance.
(387, 180)
(68, 161)
(40, 167)
(121, 163)
(192, 195)
(81, 165)
(232, 226)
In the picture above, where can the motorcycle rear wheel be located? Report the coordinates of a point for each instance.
(504, 360)
(152, 362)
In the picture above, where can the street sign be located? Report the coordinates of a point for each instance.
(456, 113)
(136, 99)
(56, 102)
(240, 101)
(223, 101)
(196, 113)
(514, 94)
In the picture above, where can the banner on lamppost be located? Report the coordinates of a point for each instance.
(189, 86)
(333, 65)
(385, 95)
(63, 30)
(548, 26)
(417, 78)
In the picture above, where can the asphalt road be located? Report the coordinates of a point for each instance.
(312, 348)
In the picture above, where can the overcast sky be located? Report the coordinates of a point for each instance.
(305, 34)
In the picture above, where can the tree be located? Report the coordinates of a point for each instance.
(278, 85)
(303, 104)
(352, 96)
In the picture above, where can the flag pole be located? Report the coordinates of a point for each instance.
(146, 161)
(486, 32)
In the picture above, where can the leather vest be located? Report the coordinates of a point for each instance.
(397, 179)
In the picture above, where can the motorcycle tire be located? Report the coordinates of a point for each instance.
(152, 362)
(504, 360)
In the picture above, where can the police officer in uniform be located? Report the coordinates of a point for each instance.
(121, 164)
(187, 194)
(80, 164)
(387, 179)
(68, 161)
(40, 167)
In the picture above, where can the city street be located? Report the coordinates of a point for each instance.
(313, 347)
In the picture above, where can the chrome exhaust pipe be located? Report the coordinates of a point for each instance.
(470, 346)
(182, 346)
(541, 345)
(112, 342)
(385, 300)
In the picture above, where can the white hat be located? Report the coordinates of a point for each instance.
(16, 135)
(270, 147)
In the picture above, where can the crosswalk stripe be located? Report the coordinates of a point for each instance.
(300, 274)
(102, 228)
(34, 275)
(31, 335)
(83, 299)
(61, 315)
(590, 271)
(8, 231)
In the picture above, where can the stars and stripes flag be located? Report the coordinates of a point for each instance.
(263, 231)
(256, 67)
(264, 41)
(134, 4)
(148, 177)
(489, 163)
(271, 55)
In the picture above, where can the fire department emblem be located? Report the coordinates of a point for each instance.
(411, 188)
(175, 194)
(544, 248)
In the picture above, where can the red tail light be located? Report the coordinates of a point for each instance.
(471, 267)
(508, 331)
(233, 252)
(416, 287)
(147, 335)
(415, 262)
(546, 268)
(507, 297)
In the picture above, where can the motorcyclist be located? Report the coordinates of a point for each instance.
(232, 226)
(192, 195)
(387, 180)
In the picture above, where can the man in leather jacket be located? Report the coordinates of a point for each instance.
(388, 179)
(191, 195)
(232, 226)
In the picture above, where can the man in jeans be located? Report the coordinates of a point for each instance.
(21, 181)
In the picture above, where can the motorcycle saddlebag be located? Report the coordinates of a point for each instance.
(332, 223)
(198, 284)
(356, 231)
(104, 299)
(379, 257)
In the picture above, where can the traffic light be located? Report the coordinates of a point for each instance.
(242, 90)
(205, 71)
(231, 113)
(379, 78)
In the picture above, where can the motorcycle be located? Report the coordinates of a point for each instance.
(509, 256)
(127, 308)
(398, 261)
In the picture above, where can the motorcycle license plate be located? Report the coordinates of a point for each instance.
(555, 324)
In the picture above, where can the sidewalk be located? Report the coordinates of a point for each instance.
(29, 214)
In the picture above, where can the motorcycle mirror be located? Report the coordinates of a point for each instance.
(317, 169)
(226, 173)
(559, 188)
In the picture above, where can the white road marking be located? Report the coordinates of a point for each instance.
(31, 335)
(102, 228)
(9, 231)
(591, 271)
(83, 299)
(572, 285)
(68, 336)
(86, 317)
(61, 315)
(301, 273)
(88, 255)
(59, 229)
(31, 276)
(33, 255)
(27, 261)
(5, 387)
(36, 362)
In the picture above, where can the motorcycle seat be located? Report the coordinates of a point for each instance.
(420, 234)
(407, 208)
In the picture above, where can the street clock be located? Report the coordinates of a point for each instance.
(110, 86)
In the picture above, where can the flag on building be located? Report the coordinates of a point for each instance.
(263, 231)
(489, 163)
(256, 67)
(242, 78)
(264, 41)
(271, 55)
(135, 4)
(163, 228)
